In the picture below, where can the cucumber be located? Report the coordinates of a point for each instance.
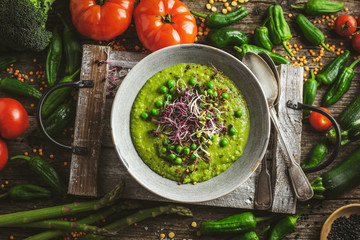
(349, 123)
(339, 180)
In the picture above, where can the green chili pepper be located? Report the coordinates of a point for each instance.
(261, 37)
(329, 73)
(315, 157)
(15, 86)
(53, 58)
(309, 91)
(5, 61)
(250, 235)
(279, 30)
(319, 7)
(58, 96)
(219, 20)
(45, 171)
(24, 192)
(311, 32)
(223, 37)
(341, 86)
(243, 49)
(285, 226)
(72, 48)
(236, 223)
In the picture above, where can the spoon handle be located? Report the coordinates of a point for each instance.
(300, 182)
(263, 192)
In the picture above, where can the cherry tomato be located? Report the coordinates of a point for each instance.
(13, 118)
(319, 122)
(3, 154)
(162, 23)
(356, 42)
(345, 25)
(101, 19)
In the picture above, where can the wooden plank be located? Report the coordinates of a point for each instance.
(291, 85)
(89, 122)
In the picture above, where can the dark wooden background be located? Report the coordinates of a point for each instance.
(309, 226)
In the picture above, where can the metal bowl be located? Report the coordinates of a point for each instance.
(255, 147)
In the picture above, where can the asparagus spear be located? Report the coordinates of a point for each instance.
(126, 205)
(61, 210)
(139, 216)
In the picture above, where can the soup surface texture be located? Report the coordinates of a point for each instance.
(189, 123)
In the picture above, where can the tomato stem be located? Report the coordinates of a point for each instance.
(166, 18)
(100, 2)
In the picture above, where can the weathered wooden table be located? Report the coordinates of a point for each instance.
(309, 226)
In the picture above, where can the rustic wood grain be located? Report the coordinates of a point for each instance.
(89, 122)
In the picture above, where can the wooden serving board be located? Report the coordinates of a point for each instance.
(111, 169)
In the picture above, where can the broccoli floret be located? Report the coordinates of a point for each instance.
(22, 24)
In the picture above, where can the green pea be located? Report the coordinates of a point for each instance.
(215, 94)
(144, 115)
(168, 97)
(166, 141)
(171, 156)
(159, 104)
(224, 142)
(210, 85)
(192, 81)
(193, 157)
(172, 90)
(225, 95)
(213, 137)
(171, 147)
(171, 83)
(163, 89)
(163, 150)
(178, 161)
(186, 151)
(193, 146)
(210, 92)
(179, 148)
(232, 131)
(238, 113)
(155, 112)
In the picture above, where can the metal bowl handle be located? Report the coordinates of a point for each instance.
(79, 84)
(301, 106)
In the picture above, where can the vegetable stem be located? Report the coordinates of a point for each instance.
(199, 14)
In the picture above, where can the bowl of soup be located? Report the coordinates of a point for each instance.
(190, 123)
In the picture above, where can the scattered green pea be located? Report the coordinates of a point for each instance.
(238, 113)
(213, 137)
(154, 111)
(232, 131)
(224, 142)
(210, 85)
(193, 146)
(168, 97)
(215, 94)
(144, 115)
(171, 83)
(172, 90)
(178, 161)
(192, 81)
(163, 150)
(159, 104)
(166, 141)
(193, 157)
(171, 147)
(225, 95)
(210, 92)
(163, 89)
(179, 148)
(171, 156)
(186, 151)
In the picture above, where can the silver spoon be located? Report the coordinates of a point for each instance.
(260, 68)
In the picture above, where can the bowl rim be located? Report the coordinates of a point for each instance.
(266, 119)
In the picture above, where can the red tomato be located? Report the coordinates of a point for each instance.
(3, 154)
(356, 42)
(101, 21)
(341, 22)
(319, 122)
(162, 23)
(13, 118)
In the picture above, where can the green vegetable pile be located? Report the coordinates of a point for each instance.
(22, 24)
